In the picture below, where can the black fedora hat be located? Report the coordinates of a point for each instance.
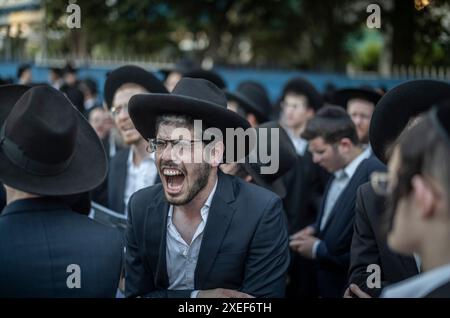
(287, 159)
(398, 106)
(9, 95)
(197, 98)
(342, 96)
(208, 75)
(252, 97)
(130, 74)
(299, 85)
(48, 148)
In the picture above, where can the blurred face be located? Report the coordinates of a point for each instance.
(406, 229)
(98, 118)
(121, 117)
(361, 113)
(326, 155)
(26, 77)
(70, 78)
(296, 111)
(172, 79)
(181, 178)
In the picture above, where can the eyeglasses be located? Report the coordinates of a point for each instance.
(116, 110)
(284, 104)
(158, 145)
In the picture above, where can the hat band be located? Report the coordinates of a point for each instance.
(18, 157)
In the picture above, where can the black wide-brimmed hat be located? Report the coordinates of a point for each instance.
(46, 145)
(134, 75)
(208, 75)
(398, 106)
(301, 86)
(342, 96)
(287, 158)
(252, 98)
(194, 97)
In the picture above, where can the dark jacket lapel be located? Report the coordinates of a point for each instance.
(220, 215)
(350, 190)
(155, 234)
(117, 177)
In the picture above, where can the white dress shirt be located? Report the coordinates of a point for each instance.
(181, 258)
(420, 285)
(138, 177)
(341, 179)
(300, 144)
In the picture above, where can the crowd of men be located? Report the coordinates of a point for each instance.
(357, 207)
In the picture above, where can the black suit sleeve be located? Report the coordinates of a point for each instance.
(364, 249)
(268, 258)
(139, 280)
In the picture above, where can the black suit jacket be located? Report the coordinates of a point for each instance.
(333, 253)
(369, 245)
(40, 238)
(305, 183)
(244, 246)
(117, 178)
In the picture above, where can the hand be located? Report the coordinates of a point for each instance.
(356, 292)
(304, 245)
(222, 293)
(307, 231)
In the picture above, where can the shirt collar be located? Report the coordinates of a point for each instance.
(151, 156)
(350, 169)
(420, 285)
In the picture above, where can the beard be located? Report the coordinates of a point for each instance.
(201, 174)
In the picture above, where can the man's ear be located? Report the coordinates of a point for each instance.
(345, 144)
(424, 196)
(216, 154)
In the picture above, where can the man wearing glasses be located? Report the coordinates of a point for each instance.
(396, 112)
(200, 232)
(133, 168)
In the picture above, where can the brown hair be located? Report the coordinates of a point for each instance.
(331, 123)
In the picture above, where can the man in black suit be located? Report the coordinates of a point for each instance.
(133, 168)
(369, 245)
(335, 146)
(48, 153)
(394, 113)
(200, 233)
(306, 180)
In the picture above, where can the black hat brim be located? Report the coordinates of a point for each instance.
(246, 104)
(341, 97)
(398, 106)
(86, 170)
(145, 108)
(134, 75)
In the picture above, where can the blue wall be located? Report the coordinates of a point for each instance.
(273, 80)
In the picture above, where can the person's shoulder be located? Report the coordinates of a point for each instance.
(374, 164)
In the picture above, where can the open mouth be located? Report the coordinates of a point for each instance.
(174, 179)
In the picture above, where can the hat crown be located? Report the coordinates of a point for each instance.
(43, 125)
(200, 89)
(255, 95)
